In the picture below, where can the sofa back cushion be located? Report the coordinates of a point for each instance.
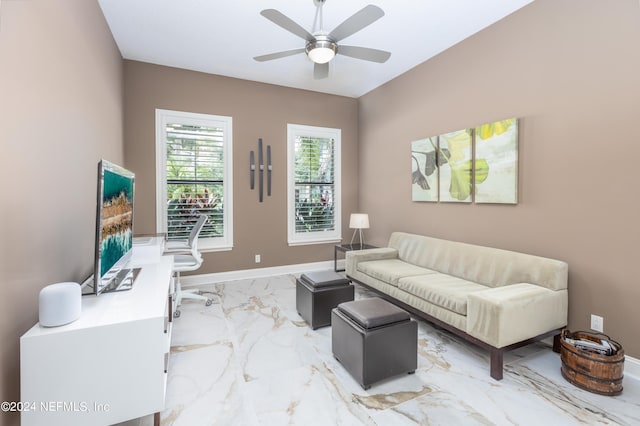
(392, 270)
(484, 265)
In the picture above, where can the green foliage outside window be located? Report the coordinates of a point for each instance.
(314, 179)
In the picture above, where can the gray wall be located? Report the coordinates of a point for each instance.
(570, 70)
(61, 106)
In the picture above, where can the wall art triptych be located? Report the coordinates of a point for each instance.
(477, 164)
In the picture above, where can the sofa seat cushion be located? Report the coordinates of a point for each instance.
(442, 290)
(391, 270)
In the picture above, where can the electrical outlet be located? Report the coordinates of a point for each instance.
(597, 323)
(258, 258)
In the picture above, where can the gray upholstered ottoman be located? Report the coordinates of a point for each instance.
(374, 340)
(319, 292)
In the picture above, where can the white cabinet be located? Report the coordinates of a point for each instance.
(110, 365)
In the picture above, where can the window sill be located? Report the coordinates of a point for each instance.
(205, 249)
(314, 242)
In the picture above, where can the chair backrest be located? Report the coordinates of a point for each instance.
(195, 231)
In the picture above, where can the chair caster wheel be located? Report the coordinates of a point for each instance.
(208, 302)
(176, 314)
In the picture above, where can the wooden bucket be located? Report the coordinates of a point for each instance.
(601, 374)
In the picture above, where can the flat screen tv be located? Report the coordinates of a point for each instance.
(114, 228)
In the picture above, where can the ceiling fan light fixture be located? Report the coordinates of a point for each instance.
(321, 50)
(321, 46)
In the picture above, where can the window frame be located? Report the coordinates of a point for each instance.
(321, 237)
(165, 117)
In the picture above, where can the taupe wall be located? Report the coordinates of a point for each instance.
(258, 111)
(571, 71)
(61, 106)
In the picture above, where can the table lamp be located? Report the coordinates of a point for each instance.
(359, 221)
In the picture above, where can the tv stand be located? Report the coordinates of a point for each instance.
(124, 280)
(111, 364)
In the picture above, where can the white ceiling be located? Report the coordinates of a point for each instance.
(222, 37)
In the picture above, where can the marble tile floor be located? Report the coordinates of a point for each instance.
(250, 359)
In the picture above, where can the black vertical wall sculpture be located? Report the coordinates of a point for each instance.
(252, 170)
(269, 170)
(261, 164)
(261, 169)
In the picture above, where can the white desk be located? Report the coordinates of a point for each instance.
(111, 364)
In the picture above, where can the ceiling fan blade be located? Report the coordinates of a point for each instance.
(278, 55)
(366, 16)
(320, 71)
(366, 53)
(283, 21)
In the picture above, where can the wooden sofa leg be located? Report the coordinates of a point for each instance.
(496, 363)
(556, 343)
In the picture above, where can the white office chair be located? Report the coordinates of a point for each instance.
(186, 257)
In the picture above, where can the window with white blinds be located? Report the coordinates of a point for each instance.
(194, 176)
(314, 184)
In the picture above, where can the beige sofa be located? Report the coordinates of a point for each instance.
(497, 299)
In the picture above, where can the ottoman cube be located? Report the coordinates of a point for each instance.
(374, 340)
(319, 292)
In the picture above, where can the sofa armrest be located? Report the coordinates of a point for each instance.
(356, 256)
(505, 315)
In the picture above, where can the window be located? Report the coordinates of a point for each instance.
(313, 184)
(194, 169)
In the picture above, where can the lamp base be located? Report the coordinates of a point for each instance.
(360, 237)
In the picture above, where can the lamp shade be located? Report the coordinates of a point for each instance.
(359, 221)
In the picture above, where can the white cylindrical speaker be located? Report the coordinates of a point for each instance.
(60, 304)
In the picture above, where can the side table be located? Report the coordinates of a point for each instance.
(345, 248)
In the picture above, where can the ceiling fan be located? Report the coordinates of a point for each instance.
(321, 47)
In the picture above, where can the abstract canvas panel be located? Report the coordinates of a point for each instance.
(496, 162)
(455, 161)
(424, 170)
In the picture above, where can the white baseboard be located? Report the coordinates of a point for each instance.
(632, 367)
(249, 274)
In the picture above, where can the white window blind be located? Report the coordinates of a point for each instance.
(195, 176)
(314, 184)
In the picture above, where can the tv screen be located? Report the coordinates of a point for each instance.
(114, 228)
